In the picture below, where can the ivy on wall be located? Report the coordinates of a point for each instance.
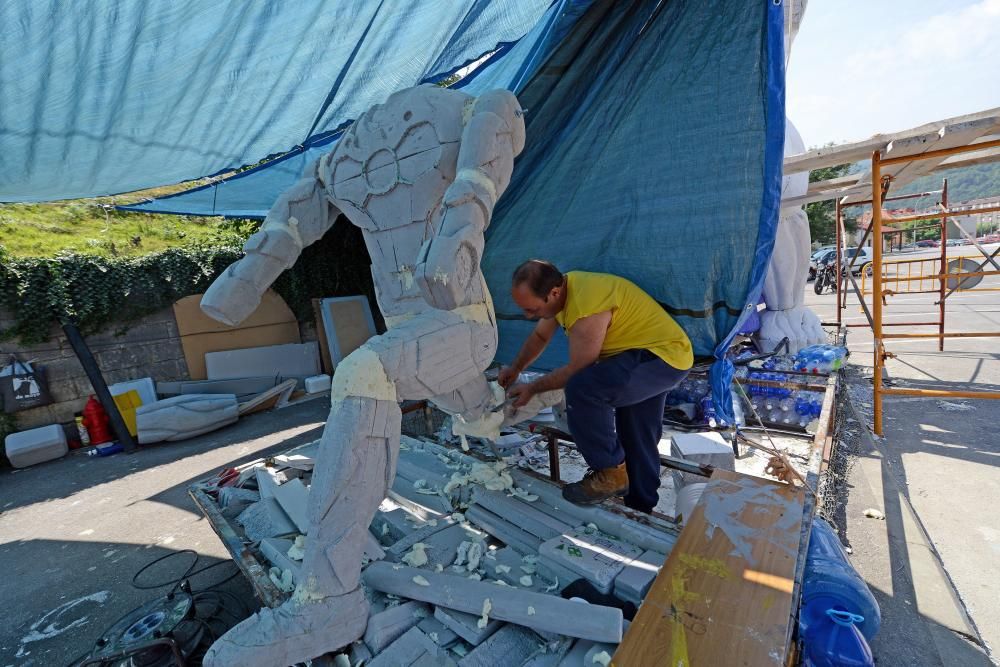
(97, 292)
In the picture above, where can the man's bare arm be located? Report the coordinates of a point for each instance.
(585, 342)
(535, 344)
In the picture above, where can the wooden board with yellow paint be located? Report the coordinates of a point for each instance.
(724, 596)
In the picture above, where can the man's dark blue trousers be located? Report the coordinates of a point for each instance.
(615, 413)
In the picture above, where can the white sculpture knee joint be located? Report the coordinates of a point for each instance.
(362, 375)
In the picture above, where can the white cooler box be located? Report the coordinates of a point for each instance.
(36, 445)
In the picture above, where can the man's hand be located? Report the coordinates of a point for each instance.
(521, 393)
(507, 377)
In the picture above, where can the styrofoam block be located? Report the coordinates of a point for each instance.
(422, 534)
(594, 555)
(703, 447)
(438, 632)
(408, 650)
(521, 514)
(510, 645)
(265, 519)
(276, 551)
(294, 500)
(293, 359)
(634, 581)
(392, 526)
(466, 626)
(503, 530)
(317, 383)
(36, 445)
(185, 416)
(387, 626)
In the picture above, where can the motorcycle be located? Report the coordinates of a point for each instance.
(826, 277)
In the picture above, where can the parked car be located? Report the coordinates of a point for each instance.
(864, 255)
(956, 242)
(928, 243)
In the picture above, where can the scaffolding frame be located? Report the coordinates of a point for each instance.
(878, 228)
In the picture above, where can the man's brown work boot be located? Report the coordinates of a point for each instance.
(597, 486)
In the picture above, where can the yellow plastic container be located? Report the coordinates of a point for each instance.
(127, 403)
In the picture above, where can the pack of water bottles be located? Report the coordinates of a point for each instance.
(820, 359)
(696, 393)
(783, 405)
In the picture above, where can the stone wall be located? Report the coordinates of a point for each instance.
(149, 347)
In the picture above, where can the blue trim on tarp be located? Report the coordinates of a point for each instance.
(721, 374)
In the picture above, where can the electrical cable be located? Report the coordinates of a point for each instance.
(214, 604)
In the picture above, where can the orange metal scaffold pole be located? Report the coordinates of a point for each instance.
(877, 286)
(878, 291)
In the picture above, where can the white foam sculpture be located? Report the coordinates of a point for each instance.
(420, 176)
(786, 315)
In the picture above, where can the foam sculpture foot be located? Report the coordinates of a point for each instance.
(800, 325)
(294, 632)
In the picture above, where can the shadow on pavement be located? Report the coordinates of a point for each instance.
(77, 471)
(60, 596)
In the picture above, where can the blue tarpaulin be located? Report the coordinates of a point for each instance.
(655, 127)
(252, 192)
(655, 138)
(111, 96)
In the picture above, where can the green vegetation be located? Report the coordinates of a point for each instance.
(979, 181)
(97, 291)
(91, 228)
(823, 214)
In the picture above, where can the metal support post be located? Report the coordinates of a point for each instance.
(944, 261)
(876, 229)
(840, 242)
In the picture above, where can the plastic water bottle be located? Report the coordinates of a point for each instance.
(708, 411)
(738, 408)
(830, 582)
(106, 449)
(835, 641)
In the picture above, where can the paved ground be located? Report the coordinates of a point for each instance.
(934, 563)
(73, 532)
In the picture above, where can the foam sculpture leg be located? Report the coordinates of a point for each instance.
(419, 175)
(435, 353)
(784, 284)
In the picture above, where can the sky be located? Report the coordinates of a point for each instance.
(862, 67)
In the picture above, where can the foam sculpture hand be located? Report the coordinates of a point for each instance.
(298, 218)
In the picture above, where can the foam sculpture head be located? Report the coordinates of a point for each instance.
(420, 175)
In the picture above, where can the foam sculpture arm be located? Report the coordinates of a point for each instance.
(448, 264)
(298, 218)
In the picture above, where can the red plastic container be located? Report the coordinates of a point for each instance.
(95, 419)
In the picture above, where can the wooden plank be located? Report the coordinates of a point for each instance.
(829, 156)
(724, 596)
(949, 136)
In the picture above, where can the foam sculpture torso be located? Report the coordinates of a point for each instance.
(420, 176)
(786, 315)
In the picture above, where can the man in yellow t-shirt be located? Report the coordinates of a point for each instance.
(625, 354)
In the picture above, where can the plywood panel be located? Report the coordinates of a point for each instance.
(724, 596)
(347, 323)
(271, 324)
